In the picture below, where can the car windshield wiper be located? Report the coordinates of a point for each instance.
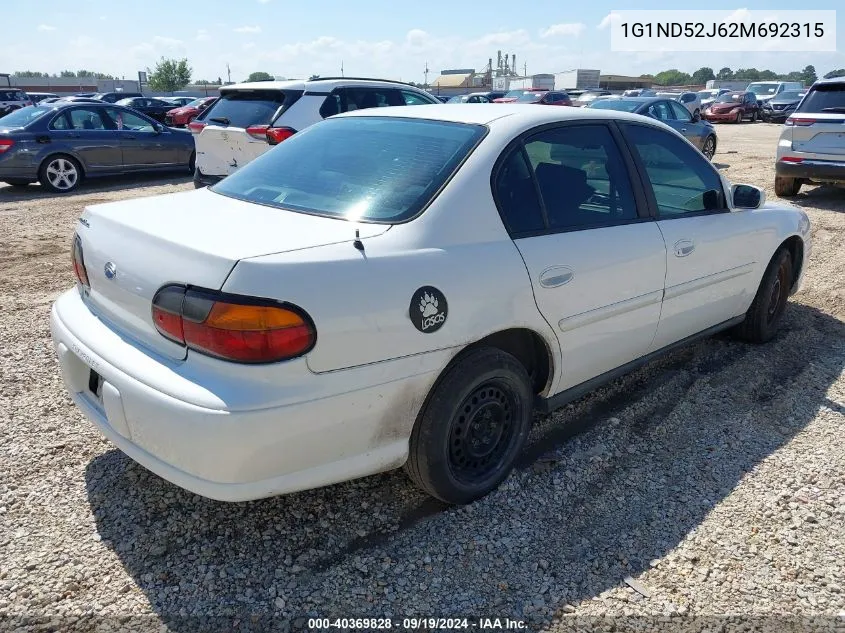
(220, 119)
(834, 109)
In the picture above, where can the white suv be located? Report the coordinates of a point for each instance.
(250, 117)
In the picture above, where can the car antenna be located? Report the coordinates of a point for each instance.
(358, 243)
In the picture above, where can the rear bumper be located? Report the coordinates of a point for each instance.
(817, 170)
(328, 428)
(204, 180)
(18, 173)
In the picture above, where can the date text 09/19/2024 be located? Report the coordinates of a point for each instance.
(490, 624)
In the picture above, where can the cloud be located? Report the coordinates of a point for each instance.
(248, 46)
(565, 29)
(248, 29)
(263, 1)
(202, 36)
(740, 15)
(46, 27)
(610, 17)
(417, 37)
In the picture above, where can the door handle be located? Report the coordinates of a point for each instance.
(556, 276)
(683, 129)
(684, 248)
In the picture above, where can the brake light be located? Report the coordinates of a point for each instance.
(5, 144)
(276, 135)
(791, 159)
(78, 261)
(232, 327)
(258, 131)
(196, 126)
(801, 122)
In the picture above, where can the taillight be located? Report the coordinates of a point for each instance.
(232, 327)
(258, 131)
(798, 121)
(5, 143)
(791, 159)
(78, 261)
(276, 135)
(196, 126)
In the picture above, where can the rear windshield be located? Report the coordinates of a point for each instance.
(362, 169)
(23, 116)
(824, 98)
(616, 104)
(243, 108)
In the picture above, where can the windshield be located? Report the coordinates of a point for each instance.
(458, 99)
(822, 98)
(195, 103)
(789, 96)
(763, 89)
(368, 169)
(530, 97)
(23, 116)
(708, 94)
(624, 105)
(729, 97)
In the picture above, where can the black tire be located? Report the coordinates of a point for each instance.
(787, 187)
(192, 162)
(709, 147)
(198, 183)
(754, 116)
(762, 319)
(51, 170)
(472, 427)
(738, 117)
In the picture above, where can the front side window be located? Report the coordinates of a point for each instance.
(683, 181)
(368, 169)
(365, 98)
(582, 177)
(679, 112)
(86, 119)
(125, 120)
(661, 111)
(413, 98)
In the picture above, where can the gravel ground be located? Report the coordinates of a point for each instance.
(710, 483)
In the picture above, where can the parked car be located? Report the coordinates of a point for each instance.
(587, 97)
(640, 92)
(777, 109)
(442, 98)
(545, 97)
(734, 107)
(38, 97)
(300, 323)
(61, 143)
(178, 101)
(153, 108)
(249, 118)
(180, 117)
(474, 97)
(114, 97)
(690, 100)
(85, 94)
(812, 143)
(765, 90)
(512, 95)
(698, 132)
(709, 96)
(495, 94)
(75, 99)
(12, 99)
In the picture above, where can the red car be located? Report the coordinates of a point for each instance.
(541, 97)
(734, 107)
(180, 117)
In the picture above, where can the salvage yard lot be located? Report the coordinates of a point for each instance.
(714, 477)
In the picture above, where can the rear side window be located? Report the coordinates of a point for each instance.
(368, 169)
(243, 108)
(825, 98)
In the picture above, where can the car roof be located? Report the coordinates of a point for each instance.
(302, 84)
(832, 80)
(485, 114)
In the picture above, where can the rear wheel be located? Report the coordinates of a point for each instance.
(60, 173)
(754, 116)
(786, 187)
(738, 117)
(472, 427)
(762, 319)
(709, 148)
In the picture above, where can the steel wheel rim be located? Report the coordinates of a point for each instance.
(709, 147)
(62, 174)
(482, 433)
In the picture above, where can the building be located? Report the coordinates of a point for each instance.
(579, 79)
(454, 82)
(623, 82)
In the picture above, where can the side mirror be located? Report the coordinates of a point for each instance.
(696, 117)
(159, 128)
(747, 197)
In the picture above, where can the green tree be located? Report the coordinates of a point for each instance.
(260, 76)
(726, 74)
(768, 75)
(30, 73)
(703, 75)
(672, 77)
(747, 74)
(839, 72)
(67, 73)
(808, 75)
(169, 75)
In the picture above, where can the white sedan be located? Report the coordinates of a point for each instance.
(406, 286)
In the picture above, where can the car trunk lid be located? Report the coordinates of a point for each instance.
(819, 133)
(132, 248)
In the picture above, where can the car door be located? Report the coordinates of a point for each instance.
(143, 146)
(683, 123)
(89, 135)
(596, 260)
(710, 251)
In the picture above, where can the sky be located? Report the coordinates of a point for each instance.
(368, 37)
